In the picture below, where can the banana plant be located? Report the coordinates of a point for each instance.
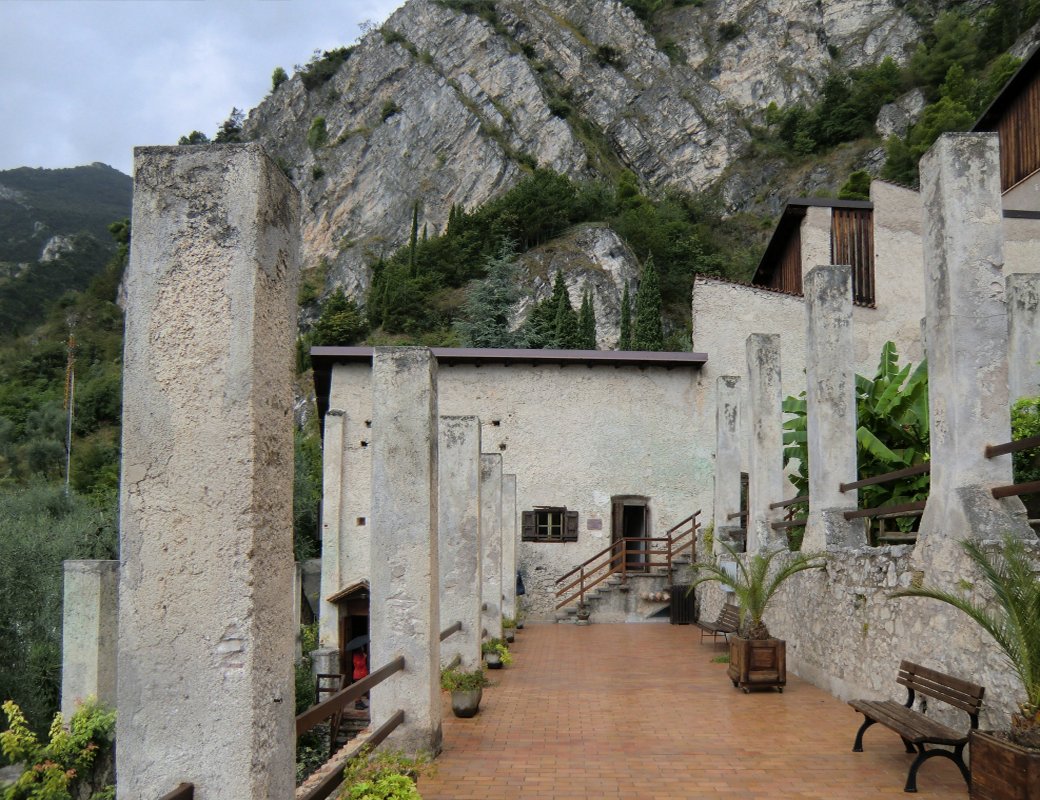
(891, 433)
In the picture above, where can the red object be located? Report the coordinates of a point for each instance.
(360, 665)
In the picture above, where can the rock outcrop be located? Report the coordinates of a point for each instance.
(442, 106)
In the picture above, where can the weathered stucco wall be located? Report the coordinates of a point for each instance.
(574, 437)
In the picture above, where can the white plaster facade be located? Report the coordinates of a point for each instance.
(574, 436)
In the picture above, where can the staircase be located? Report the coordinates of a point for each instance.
(630, 580)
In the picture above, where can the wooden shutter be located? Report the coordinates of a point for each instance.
(570, 526)
(527, 531)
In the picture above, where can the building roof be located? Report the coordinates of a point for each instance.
(323, 359)
(790, 219)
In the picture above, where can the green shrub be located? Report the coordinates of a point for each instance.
(458, 680)
(318, 134)
(384, 775)
(278, 77)
(857, 187)
(322, 66)
(728, 31)
(66, 765)
(389, 109)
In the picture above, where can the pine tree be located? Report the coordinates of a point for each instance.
(648, 334)
(567, 335)
(490, 302)
(587, 323)
(625, 339)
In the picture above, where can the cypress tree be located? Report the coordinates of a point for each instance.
(490, 302)
(414, 240)
(648, 334)
(587, 323)
(565, 334)
(625, 340)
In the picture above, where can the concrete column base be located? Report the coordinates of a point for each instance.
(827, 529)
(967, 512)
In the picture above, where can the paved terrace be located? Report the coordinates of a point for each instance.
(639, 712)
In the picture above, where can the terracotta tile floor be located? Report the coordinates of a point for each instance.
(639, 712)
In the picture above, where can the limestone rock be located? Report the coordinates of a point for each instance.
(55, 247)
(591, 257)
(441, 107)
(895, 119)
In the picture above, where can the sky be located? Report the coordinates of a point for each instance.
(88, 80)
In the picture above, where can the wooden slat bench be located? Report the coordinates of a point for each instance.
(727, 623)
(917, 730)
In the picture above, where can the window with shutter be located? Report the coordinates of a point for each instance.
(549, 524)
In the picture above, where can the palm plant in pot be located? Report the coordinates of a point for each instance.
(756, 659)
(466, 688)
(1005, 765)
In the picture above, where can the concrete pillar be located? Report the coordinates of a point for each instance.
(727, 460)
(325, 661)
(831, 409)
(1023, 305)
(88, 633)
(509, 546)
(459, 537)
(491, 542)
(332, 524)
(766, 461)
(405, 608)
(205, 681)
(967, 339)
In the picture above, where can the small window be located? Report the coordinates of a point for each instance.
(550, 524)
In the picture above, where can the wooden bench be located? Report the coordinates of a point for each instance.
(917, 730)
(727, 623)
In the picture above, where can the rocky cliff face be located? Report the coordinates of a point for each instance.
(444, 107)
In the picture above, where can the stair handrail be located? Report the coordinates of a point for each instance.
(670, 550)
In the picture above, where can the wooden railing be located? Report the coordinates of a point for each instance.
(331, 782)
(1014, 489)
(455, 627)
(184, 791)
(614, 559)
(790, 520)
(912, 509)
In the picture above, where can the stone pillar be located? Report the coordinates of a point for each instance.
(205, 689)
(727, 461)
(333, 455)
(405, 608)
(1023, 305)
(89, 633)
(831, 409)
(459, 538)
(967, 341)
(509, 545)
(491, 542)
(766, 462)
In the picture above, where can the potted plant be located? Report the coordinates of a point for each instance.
(508, 629)
(496, 654)
(755, 657)
(1005, 765)
(466, 690)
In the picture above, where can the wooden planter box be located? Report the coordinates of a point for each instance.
(1001, 770)
(757, 663)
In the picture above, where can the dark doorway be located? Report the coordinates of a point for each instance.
(353, 622)
(630, 519)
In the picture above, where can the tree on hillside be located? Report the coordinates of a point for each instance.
(341, 322)
(587, 323)
(566, 334)
(278, 77)
(195, 137)
(489, 303)
(231, 129)
(625, 339)
(648, 334)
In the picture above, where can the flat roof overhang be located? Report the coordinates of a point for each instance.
(323, 359)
